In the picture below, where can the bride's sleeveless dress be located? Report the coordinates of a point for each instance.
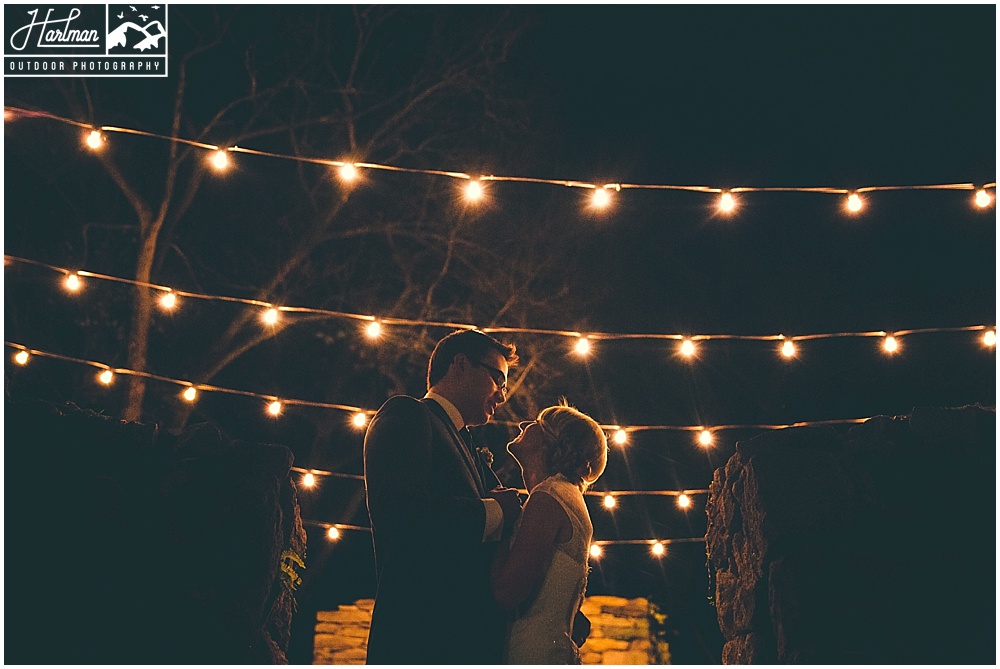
(540, 632)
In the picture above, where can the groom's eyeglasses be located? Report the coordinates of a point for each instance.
(499, 380)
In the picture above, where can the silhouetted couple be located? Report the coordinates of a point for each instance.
(465, 576)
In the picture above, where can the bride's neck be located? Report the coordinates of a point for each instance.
(533, 476)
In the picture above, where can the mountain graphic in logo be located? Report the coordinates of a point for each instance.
(151, 34)
(134, 29)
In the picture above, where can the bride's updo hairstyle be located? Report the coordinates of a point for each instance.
(578, 448)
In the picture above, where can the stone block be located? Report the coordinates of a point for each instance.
(345, 615)
(631, 629)
(640, 644)
(355, 631)
(590, 658)
(350, 656)
(625, 657)
(607, 600)
(334, 641)
(604, 644)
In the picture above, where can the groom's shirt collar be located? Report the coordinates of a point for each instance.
(449, 408)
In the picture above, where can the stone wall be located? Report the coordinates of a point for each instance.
(875, 547)
(620, 633)
(131, 545)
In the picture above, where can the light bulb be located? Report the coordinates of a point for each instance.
(474, 191)
(990, 338)
(854, 203)
(270, 317)
(727, 203)
(610, 502)
(983, 198)
(359, 419)
(105, 377)
(308, 480)
(220, 160)
(658, 549)
(168, 300)
(21, 357)
(95, 140)
(687, 348)
(890, 344)
(189, 393)
(274, 408)
(601, 198)
(705, 438)
(348, 172)
(595, 551)
(374, 330)
(333, 534)
(582, 346)
(72, 283)
(788, 349)
(621, 436)
(683, 501)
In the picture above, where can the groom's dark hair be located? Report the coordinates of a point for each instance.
(473, 344)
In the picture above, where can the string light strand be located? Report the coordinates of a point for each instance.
(271, 399)
(17, 112)
(390, 320)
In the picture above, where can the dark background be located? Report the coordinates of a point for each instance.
(722, 96)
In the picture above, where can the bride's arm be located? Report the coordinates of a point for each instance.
(518, 570)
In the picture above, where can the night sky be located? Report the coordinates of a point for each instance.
(841, 96)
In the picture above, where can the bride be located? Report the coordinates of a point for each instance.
(542, 574)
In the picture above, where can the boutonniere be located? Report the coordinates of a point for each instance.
(486, 454)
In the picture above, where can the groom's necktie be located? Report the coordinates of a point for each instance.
(477, 458)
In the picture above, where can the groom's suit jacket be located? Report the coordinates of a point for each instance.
(434, 603)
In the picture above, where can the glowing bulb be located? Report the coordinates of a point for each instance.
(105, 377)
(983, 198)
(189, 393)
(333, 534)
(308, 480)
(658, 549)
(621, 436)
(21, 357)
(609, 502)
(788, 349)
(582, 346)
(705, 438)
(990, 338)
(348, 172)
(595, 551)
(474, 191)
(274, 408)
(890, 344)
(270, 316)
(220, 160)
(168, 301)
(374, 330)
(359, 419)
(95, 140)
(687, 348)
(854, 203)
(727, 203)
(602, 198)
(72, 283)
(683, 501)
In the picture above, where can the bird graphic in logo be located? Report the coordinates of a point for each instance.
(135, 31)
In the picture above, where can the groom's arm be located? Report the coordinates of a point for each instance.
(403, 496)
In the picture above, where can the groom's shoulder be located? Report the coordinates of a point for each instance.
(401, 405)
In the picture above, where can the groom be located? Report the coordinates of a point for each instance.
(437, 511)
